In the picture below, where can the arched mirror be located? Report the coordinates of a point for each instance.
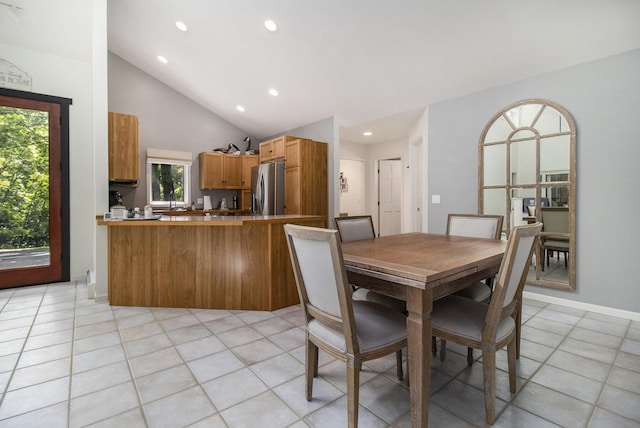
(527, 173)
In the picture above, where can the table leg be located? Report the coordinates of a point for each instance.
(419, 305)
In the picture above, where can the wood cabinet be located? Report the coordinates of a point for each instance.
(305, 177)
(220, 171)
(274, 149)
(124, 153)
(248, 162)
(210, 263)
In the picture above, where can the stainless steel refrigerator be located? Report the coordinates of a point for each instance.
(267, 188)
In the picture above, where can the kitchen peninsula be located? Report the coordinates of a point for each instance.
(210, 262)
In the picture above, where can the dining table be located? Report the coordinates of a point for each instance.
(420, 268)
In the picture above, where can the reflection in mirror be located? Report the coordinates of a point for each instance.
(527, 174)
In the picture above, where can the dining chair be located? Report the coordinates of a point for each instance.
(489, 327)
(350, 330)
(475, 226)
(354, 228)
(555, 233)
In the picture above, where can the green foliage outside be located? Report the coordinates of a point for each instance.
(164, 179)
(24, 178)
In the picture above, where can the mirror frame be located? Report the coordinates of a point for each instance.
(539, 185)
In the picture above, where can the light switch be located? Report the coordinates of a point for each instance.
(435, 199)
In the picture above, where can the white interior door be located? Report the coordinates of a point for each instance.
(351, 187)
(390, 197)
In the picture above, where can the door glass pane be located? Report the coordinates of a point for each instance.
(523, 160)
(555, 153)
(495, 202)
(24, 188)
(495, 165)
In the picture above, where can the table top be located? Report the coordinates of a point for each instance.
(421, 259)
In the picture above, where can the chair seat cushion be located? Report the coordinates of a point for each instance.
(377, 326)
(480, 292)
(465, 318)
(365, 295)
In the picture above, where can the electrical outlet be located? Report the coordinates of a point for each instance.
(435, 199)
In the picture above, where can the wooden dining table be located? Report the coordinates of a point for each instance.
(420, 268)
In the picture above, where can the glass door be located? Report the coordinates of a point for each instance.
(33, 210)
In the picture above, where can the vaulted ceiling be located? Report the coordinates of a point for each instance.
(374, 65)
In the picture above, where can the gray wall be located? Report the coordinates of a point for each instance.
(603, 97)
(168, 120)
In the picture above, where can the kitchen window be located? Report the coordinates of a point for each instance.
(168, 178)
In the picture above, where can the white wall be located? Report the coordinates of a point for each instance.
(603, 97)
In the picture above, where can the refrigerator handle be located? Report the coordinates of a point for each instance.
(260, 193)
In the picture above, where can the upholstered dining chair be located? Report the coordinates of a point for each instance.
(489, 327)
(475, 226)
(349, 330)
(354, 228)
(555, 233)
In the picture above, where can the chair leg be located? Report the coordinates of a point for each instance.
(399, 365)
(315, 367)
(469, 356)
(434, 348)
(489, 376)
(443, 349)
(518, 313)
(511, 360)
(353, 392)
(311, 367)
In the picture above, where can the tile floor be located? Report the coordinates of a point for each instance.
(66, 360)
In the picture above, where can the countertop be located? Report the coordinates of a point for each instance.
(210, 220)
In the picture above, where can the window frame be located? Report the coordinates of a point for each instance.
(166, 157)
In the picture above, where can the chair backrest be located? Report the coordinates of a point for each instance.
(321, 278)
(555, 219)
(475, 225)
(355, 228)
(512, 274)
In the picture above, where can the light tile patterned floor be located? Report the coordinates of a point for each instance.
(66, 360)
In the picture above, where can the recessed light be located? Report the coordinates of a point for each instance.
(270, 25)
(367, 133)
(273, 92)
(239, 108)
(162, 59)
(181, 26)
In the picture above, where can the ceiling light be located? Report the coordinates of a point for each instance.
(270, 25)
(367, 133)
(273, 92)
(181, 26)
(239, 108)
(162, 59)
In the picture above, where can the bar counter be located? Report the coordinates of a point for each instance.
(209, 262)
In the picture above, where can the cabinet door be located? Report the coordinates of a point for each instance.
(248, 162)
(292, 153)
(246, 200)
(232, 171)
(266, 151)
(211, 170)
(292, 177)
(277, 148)
(124, 155)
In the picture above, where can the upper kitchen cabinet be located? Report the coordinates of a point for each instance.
(274, 149)
(248, 162)
(220, 171)
(305, 178)
(124, 154)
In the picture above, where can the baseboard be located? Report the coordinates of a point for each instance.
(91, 284)
(605, 310)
